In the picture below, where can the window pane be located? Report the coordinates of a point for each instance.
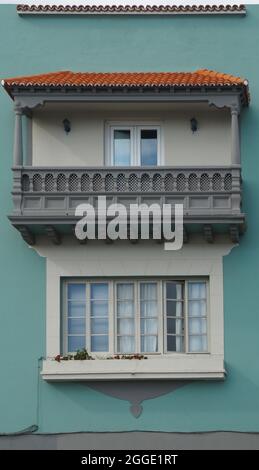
(148, 291)
(174, 309)
(125, 291)
(148, 309)
(99, 326)
(149, 344)
(197, 308)
(76, 326)
(126, 327)
(76, 291)
(121, 147)
(197, 343)
(148, 147)
(174, 326)
(99, 308)
(197, 326)
(99, 343)
(174, 290)
(99, 291)
(149, 326)
(125, 344)
(75, 343)
(125, 309)
(174, 343)
(76, 309)
(197, 290)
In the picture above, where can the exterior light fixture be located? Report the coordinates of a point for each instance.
(67, 125)
(194, 124)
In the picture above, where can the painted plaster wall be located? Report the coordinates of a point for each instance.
(84, 146)
(110, 43)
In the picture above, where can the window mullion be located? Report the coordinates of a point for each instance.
(65, 320)
(186, 318)
(137, 318)
(160, 312)
(111, 320)
(88, 316)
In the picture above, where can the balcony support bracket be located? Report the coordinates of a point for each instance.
(26, 234)
(208, 233)
(53, 234)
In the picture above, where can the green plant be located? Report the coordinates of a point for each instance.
(82, 355)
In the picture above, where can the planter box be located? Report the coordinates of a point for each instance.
(179, 366)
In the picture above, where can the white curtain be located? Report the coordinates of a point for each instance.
(125, 318)
(148, 315)
(197, 322)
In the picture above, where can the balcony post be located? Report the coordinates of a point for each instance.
(235, 136)
(17, 148)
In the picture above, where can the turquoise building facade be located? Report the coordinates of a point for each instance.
(37, 44)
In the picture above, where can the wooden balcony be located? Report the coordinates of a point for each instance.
(45, 199)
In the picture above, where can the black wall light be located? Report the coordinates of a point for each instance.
(67, 125)
(194, 124)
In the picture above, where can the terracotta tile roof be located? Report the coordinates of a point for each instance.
(203, 77)
(133, 9)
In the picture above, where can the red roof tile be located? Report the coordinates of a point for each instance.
(201, 77)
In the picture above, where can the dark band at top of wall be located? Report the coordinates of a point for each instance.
(24, 9)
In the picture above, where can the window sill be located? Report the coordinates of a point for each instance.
(191, 366)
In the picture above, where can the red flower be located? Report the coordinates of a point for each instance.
(58, 358)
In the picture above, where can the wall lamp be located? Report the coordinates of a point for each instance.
(194, 124)
(67, 125)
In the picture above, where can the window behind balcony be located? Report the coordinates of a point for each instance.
(135, 316)
(133, 145)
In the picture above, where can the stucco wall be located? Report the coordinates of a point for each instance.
(85, 144)
(42, 44)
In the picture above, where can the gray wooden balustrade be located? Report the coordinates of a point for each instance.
(50, 195)
(208, 190)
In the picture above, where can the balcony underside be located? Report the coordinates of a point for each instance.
(45, 199)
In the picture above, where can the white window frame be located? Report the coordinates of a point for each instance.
(135, 127)
(112, 313)
(197, 260)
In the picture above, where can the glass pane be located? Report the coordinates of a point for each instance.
(75, 343)
(197, 343)
(99, 343)
(121, 147)
(148, 309)
(99, 291)
(197, 308)
(126, 344)
(99, 308)
(99, 326)
(197, 326)
(126, 327)
(174, 308)
(174, 290)
(148, 291)
(174, 343)
(197, 290)
(76, 309)
(148, 147)
(149, 327)
(174, 326)
(125, 291)
(149, 344)
(76, 291)
(76, 326)
(125, 309)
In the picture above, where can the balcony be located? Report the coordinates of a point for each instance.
(45, 199)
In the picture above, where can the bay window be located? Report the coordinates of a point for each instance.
(149, 316)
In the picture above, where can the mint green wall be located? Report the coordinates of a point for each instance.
(32, 45)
